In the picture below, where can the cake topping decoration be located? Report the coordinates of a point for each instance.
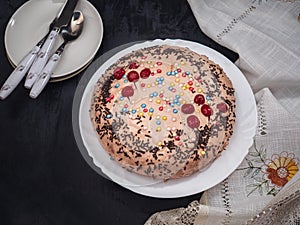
(177, 138)
(111, 97)
(199, 99)
(193, 121)
(119, 73)
(133, 65)
(199, 90)
(145, 73)
(159, 98)
(127, 91)
(133, 76)
(222, 107)
(206, 110)
(187, 108)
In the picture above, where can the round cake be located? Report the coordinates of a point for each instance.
(163, 111)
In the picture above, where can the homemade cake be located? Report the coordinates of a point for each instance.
(163, 111)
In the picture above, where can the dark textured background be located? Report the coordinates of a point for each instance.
(43, 177)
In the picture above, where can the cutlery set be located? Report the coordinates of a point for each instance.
(37, 64)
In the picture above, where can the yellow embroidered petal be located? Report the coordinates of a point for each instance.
(291, 163)
(276, 162)
(293, 168)
(272, 166)
(292, 173)
(287, 161)
(283, 161)
(290, 176)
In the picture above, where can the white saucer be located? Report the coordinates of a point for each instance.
(31, 22)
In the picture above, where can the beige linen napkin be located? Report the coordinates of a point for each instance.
(266, 35)
(273, 160)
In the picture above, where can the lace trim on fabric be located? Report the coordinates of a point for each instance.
(181, 216)
(245, 14)
(189, 215)
(234, 21)
(262, 122)
(276, 215)
(226, 201)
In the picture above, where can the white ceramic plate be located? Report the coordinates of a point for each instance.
(31, 22)
(244, 130)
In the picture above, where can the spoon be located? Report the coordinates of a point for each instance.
(69, 33)
(23, 66)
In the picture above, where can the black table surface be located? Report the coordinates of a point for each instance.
(43, 177)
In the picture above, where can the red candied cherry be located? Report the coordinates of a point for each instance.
(222, 107)
(133, 76)
(145, 73)
(133, 65)
(127, 91)
(187, 108)
(193, 121)
(206, 110)
(199, 99)
(119, 73)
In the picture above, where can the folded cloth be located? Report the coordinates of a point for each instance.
(252, 188)
(265, 189)
(265, 34)
(284, 208)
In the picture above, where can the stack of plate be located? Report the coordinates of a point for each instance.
(31, 22)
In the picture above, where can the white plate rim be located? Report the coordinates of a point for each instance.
(13, 58)
(188, 186)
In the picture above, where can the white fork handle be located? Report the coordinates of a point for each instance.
(41, 59)
(19, 72)
(44, 77)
